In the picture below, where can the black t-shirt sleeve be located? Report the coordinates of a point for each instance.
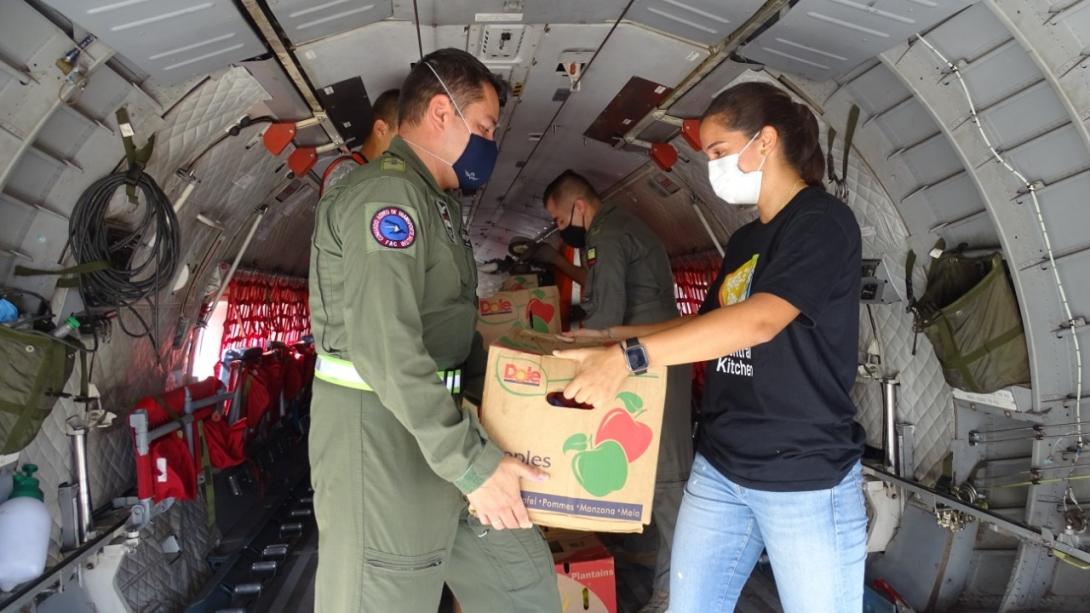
(811, 260)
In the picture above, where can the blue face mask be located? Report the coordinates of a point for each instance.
(478, 159)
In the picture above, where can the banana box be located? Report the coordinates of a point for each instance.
(585, 572)
(601, 460)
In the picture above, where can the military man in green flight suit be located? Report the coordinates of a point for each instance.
(627, 280)
(394, 459)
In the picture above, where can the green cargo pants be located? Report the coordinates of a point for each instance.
(391, 532)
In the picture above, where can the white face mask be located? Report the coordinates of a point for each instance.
(733, 185)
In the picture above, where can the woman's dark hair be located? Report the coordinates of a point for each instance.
(748, 107)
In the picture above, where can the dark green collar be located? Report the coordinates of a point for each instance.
(608, 208)
(401, 149)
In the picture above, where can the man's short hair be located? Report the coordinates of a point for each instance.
(385, 107)
(569, 186)
(464, 74)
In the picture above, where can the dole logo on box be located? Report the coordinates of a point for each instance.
(521, 372)
(497, 306)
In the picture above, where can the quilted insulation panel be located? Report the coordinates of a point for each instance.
(236, 176)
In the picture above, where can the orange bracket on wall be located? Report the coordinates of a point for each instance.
(278, 136)
(664, 155)
(690, 131)
(302, 160)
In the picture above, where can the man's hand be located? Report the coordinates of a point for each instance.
(599, 376)
(498, 501)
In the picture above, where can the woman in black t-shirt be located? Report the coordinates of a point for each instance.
(777, 467)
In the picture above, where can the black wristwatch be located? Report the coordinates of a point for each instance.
(635, 356)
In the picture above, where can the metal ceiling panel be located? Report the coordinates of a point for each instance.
(932, 160)
(877, 90)
(1053, 156)
(171, 41)
(307, 20)
(631, 51)
(823, 39)
(1000, 74)
(702, 21)
(970, 34)
(379, 53)
(1020, 117)
(1062, 202)
(946, 201)
(693, 103)
(449, 12)
(907, 123)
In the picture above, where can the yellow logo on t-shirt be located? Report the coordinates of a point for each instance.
(736, 285)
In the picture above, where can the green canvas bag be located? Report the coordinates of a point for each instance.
(970, 315)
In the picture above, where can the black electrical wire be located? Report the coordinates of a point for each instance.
(234, 130)
(122, 284)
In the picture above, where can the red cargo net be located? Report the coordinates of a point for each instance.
(263, 308)
(692, 276)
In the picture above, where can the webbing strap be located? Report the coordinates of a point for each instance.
(64, 281)
(84, 378)
(910, 265)
(841, 181)
(209, 486)
(849, 134)
(137, 158)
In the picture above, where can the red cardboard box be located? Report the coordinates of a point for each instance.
(585, 572)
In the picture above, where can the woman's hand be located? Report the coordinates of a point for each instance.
(599, 376)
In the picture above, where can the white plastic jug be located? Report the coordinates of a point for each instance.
(24, 532)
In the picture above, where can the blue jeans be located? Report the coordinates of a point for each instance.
(816, 541)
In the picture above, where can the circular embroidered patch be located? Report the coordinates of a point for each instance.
(393, 228)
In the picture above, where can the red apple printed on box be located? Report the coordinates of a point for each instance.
(539, 314)
(601, 463)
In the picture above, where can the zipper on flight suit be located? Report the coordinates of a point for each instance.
(384, 565)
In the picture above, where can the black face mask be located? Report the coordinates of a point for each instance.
(573, 235)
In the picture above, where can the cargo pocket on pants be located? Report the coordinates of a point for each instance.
(395, 565)
(519, 557)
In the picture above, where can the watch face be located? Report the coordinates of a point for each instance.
(637, 359)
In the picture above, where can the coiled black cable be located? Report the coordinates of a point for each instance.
(124, 283)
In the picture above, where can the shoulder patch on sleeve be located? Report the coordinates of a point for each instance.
(390, 162)
(393, 228)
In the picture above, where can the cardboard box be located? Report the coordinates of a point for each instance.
(585, 572)
(601, 461)
(505, 313)
(517, 282)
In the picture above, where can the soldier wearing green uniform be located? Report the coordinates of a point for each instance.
(393, 304)
(627, 280)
